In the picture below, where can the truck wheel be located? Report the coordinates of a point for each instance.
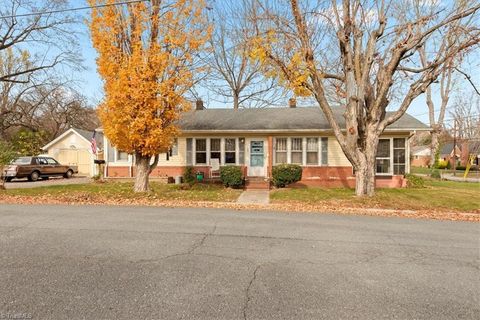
(68, 174)
(34, 176)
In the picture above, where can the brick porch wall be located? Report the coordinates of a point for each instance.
(170, 171)
(330, 177)
(338, 177)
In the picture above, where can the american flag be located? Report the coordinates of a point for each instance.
(94, 143)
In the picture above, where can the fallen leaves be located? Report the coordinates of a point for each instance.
(85, 198)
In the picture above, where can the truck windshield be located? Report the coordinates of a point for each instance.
(22, 160)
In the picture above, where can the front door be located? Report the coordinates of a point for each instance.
(256, 166)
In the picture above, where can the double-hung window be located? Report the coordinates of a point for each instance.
(312, 151)
(201, 151)
(399, 156)
(280, 150)
(122, 156)
(383, 156)
(297, 150)
(230, 154)
(215, 151)
(324, 151)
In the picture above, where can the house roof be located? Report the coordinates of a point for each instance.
(85, 134)
(419, 149)
(274, 119)
(447, 148)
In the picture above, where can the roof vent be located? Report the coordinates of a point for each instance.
(292, 103)
(199, 104)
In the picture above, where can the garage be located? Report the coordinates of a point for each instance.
(74, 148)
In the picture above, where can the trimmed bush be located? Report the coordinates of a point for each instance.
(231, 176)
(435, 174)
(414, 181)
(189, 175)
(285, 174)
(442, 164)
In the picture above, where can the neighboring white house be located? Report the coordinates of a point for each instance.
(73, 147)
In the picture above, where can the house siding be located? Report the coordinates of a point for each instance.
(336, 158)
(73, 150)
(338, 172)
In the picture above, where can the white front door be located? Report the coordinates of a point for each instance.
(257, 161)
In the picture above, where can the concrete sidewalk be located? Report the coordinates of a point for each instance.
(451, 177)
(254, 197)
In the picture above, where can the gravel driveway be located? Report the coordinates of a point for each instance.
(24, 183)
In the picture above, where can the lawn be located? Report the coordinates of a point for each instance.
(124, 190)
(446, 195)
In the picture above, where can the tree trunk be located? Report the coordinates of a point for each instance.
(365, 168)
(236, 101)
(365, 176)
(434, 145)
(142, 165)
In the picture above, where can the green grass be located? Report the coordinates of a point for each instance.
(448, 195)
(124, 190)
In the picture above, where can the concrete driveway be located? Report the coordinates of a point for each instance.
(69, 262)
(24, 183)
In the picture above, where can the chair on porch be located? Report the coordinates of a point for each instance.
(214, 168)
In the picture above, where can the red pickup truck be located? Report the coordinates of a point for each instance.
(34, 168)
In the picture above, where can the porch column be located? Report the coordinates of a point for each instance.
(270, 156)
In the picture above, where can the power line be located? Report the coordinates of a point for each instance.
(427, 112)
(41, 13)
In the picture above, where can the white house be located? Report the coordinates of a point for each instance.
(73, 147)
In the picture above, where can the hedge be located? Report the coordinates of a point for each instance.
(285, 174)
(231, 176)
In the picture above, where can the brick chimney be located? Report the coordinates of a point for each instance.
(199, 104)
(292, 103)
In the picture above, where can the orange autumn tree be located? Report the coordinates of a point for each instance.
(146, 57)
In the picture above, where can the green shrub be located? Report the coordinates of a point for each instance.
(435, 174)
(189, 175)
(285, 174)
(442, 164)
(414, 181)
(231, 176)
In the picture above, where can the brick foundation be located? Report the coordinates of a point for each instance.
(329, 177)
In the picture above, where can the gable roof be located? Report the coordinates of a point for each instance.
(419, 149)
(275, 119)
(85, 134)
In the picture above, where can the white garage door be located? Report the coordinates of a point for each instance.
(76, 157)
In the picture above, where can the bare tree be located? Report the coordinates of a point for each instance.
(466, 116)
(450, 73)
(233, 75)
(65, 108)
(49, 107)
(363, 49)
(49, 36)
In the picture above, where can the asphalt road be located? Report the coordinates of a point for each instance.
(69, 262)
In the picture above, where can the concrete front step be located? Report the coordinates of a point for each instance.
(257, 183)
